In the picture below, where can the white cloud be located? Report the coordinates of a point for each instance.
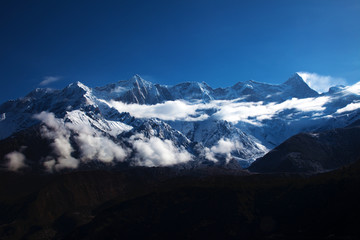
(92, 144)
(63, 149)
(354, 89)
(349, 107)
(49, 79)
(56, 131)
(223, 147)
(170, 110)
(49, 164)
(153, 152)
(49, 119)
(229, 110)
(16, 161)
(303, 104)
(256, 112)
(209, 155)
(119, 89)
(321, 83)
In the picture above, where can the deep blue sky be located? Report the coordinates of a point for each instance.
(219, 42)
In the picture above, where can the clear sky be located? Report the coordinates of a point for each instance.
(219, 42)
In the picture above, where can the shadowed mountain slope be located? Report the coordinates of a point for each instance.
(313, 152)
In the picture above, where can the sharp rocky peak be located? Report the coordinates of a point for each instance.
(77, 85)
(295, 80)
(135, 81)
(139, 80)
(299, 87)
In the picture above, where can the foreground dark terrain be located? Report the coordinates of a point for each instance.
(156, 203)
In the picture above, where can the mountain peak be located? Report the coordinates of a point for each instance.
(135, 81)
(78, 86)
(297, 84)
(206, 85)
(295, 80)
(139, 80)
(137, 77)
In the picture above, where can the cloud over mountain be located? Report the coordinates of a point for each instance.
(321, 83)
(153, 151)
(223, 148)
(149, 124)
(56, 131)
(228, 110)
(94, 145)
(169, 110)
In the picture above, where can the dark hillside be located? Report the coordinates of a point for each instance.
(158, 203)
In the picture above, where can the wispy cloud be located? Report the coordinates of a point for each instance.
(49, 79)
(16, 161)
(321, 83)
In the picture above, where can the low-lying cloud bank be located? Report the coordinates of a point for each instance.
(229, 110)
(170, 110)
(74, 144)
(256, 112)
(94, 145)
(350, 107)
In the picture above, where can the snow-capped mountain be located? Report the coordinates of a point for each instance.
(134, 90)
(154, 125)
(252, 91)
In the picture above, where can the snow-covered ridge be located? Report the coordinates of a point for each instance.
(192, 119)
(137, 90)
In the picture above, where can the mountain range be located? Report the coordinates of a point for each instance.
(189, 125)
(135, 160)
